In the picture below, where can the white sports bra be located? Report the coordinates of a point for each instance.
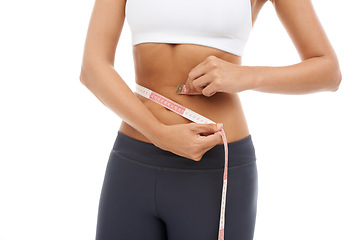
(221, 24)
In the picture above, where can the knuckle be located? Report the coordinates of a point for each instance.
(192, 124)
(190, 75)
(217, 82)
(216, 73)
(211, 57)
(195, 156)
(193, 127)
(198, 156)
(212, 63)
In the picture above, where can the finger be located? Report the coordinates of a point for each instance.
(198, 71)
(201, 82)
(207, 128)
(190, 87)
(209, 90)
(185, 90)
(211, 140)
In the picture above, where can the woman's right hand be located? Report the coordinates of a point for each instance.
(190, 140)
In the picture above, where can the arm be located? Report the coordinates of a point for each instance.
(98, 73)
(319, 69)
(99, 76)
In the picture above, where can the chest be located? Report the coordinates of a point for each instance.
(224, 17)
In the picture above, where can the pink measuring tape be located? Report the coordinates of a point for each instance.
(197, 118)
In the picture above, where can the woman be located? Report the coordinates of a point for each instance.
(164, 175)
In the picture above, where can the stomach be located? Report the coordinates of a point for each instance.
(162, 66)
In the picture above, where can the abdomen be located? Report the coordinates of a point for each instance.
(161, 67)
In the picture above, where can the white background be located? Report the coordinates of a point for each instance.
(56, 136)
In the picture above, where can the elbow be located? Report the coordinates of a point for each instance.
(82, 75)
(90, 70)
(335, 76)
(336, 79)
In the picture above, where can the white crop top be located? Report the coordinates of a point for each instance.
(221, 24)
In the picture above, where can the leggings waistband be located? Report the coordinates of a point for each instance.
(241, 152)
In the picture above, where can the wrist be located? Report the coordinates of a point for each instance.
(255, 77)
(248, 78)
(156, 132)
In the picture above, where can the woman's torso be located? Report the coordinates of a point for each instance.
(162, 66)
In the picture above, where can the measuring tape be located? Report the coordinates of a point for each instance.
(195, 117)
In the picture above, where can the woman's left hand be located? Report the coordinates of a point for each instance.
(216, 75)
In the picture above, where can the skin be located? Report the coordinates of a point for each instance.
(216, 74)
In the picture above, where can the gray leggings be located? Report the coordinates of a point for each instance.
(152, 194)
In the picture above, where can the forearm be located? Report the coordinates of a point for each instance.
(312, 75)
(107, 85)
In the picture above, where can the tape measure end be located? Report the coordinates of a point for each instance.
(180, 88)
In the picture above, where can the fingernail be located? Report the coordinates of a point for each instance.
(220, 125)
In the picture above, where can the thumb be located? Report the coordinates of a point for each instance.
(208, 128)
(211, 140)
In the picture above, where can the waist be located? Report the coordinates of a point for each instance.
(241, 153)
(221, 108)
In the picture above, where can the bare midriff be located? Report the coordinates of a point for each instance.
(162, 66)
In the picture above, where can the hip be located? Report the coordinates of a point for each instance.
(241, 153)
